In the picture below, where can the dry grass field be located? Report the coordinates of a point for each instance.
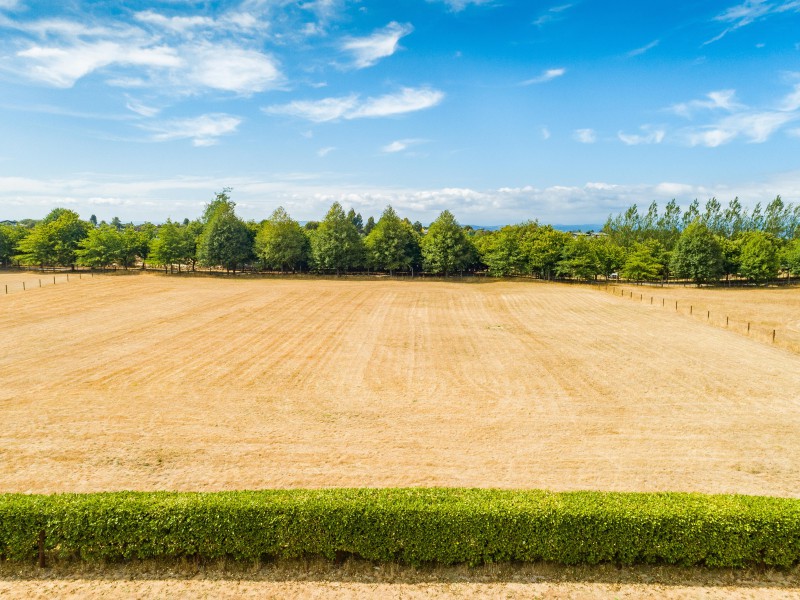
(150, 382)
(766, 309)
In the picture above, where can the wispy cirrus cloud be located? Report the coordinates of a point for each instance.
(323, 152)
(459, 5)
(204, 130)
(717, 100)
(401, 145)
(141, 109)
(547, 75)
(368, 50)
(648, 136)
(353, 107)
(585, 136)
(755, 125)
(644, 49)
(551, 15)
(749, 12)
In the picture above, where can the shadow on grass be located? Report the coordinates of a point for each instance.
(353, 570)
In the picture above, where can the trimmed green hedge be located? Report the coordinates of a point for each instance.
(416, 526)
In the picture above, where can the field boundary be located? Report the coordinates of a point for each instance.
(701, 312)
(416, 526)
(36, 282)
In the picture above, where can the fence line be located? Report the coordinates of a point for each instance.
(783, 338)
(40, 282)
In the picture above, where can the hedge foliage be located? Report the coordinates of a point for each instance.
(416, 526)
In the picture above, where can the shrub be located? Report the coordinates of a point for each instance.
(445, 526)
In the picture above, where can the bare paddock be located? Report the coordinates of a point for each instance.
(165, 383)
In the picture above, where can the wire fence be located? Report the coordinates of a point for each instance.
(31, 281)
(783, 337)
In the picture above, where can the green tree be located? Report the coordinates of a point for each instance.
(391, 243)
(10, 237)
(355, 219)
(698, 254)
(54, 240)
(369, 226)
(543, 248)
(610, 257)
(446, 248)
(280, 243)
(578, 259)
(172, 245)
(501, 251)
(760, 258)
(102, 247)
(792, 257)
(643, 263)
(226, 239)
(336, 244)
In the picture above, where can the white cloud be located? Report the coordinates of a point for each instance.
(792, 100)
(718, 100)
(203, 130)
(8, 4)
(756, 127)
(650, 136)
(369, 50)
(63, 66)
(176, 24)
(308, 196)
(229, 68)
(751, 11)
(643, 49)
(585, 136)
(545, 132)
(141, 109)
(154, 51)
(318, 111)
(407, 100)
(552, 15)
(352, 107)
(459, 5)
(546, 76)
(323, 152)
(400, 145)
(794, 133)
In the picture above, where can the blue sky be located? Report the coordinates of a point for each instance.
(498, 110)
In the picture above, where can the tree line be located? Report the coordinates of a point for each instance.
(701, 244)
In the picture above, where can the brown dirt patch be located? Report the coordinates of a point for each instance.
(151, 382)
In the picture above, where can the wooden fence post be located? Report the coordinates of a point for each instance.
(41, 549)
